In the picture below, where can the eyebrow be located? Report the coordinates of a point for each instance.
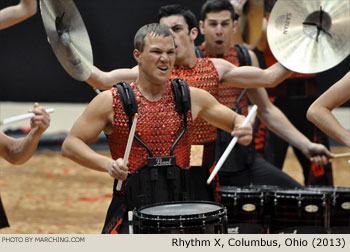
(176, 25)
(155, 47)
(215, 20)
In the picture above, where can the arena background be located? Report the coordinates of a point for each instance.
(30, 71)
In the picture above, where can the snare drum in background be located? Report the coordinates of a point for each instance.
(246, 209)
(339, 208)
(188, 217)
(299, 211)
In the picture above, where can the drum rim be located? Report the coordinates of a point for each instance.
(210, 215)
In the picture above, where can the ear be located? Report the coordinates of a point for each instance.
(201, 27)
(235, 26)
(193, 33)
(137, 55)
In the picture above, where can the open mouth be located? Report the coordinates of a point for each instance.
(163, 69)
(219, 42)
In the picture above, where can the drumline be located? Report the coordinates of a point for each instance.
(255, 209)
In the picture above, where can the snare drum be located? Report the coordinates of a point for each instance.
(339, 208)
(188, 217)
(246, 209)
(299, 211)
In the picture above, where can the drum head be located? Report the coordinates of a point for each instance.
(181, 217)
(183, 208)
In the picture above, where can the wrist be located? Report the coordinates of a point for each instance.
(239, 119)
(108, 165)
(305, 148)
(36, 133)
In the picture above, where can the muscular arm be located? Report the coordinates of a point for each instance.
(14, 14)
(19, 150)
(320, 113)
(96, 118)
(105, 80)
(248, 76)
(278, 123)
(205, 106)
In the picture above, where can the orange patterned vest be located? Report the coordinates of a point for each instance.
(204, 76)
(158, 125)
(228, 95)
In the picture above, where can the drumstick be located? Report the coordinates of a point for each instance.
(231, 145)
(339, 155)
(22, 117)
(128, 146)
(131, 227)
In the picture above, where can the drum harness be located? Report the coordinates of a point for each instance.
(161, 179)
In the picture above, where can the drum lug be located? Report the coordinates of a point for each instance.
(299, 198)
(158, 223)
(334, 199)
(235, 199)
(324, 198)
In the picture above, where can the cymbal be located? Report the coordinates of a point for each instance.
(68, 37)
(309, 36)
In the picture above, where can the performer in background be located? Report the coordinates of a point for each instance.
(19, 150)
(320, 111)
(219, 25)
(293, 97)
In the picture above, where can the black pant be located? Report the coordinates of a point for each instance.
(259, 173)
(3, 219)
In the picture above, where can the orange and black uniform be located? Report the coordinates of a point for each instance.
(204, 76)
(259, 173)
(293, 97)
(159, 125)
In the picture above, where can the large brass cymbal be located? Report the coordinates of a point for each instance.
(303, 43)
(68, 37)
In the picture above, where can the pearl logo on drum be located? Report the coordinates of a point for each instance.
(345, 205)
(249, 207)
(311, 208)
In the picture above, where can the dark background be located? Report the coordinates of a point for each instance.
(29, 70)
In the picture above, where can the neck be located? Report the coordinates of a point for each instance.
(150, 90)
(189, 61)
(215, 54)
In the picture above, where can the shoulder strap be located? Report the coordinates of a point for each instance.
(182, 95)
(128, 98)
(199, 52)
(243, 55)
(244, 60)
